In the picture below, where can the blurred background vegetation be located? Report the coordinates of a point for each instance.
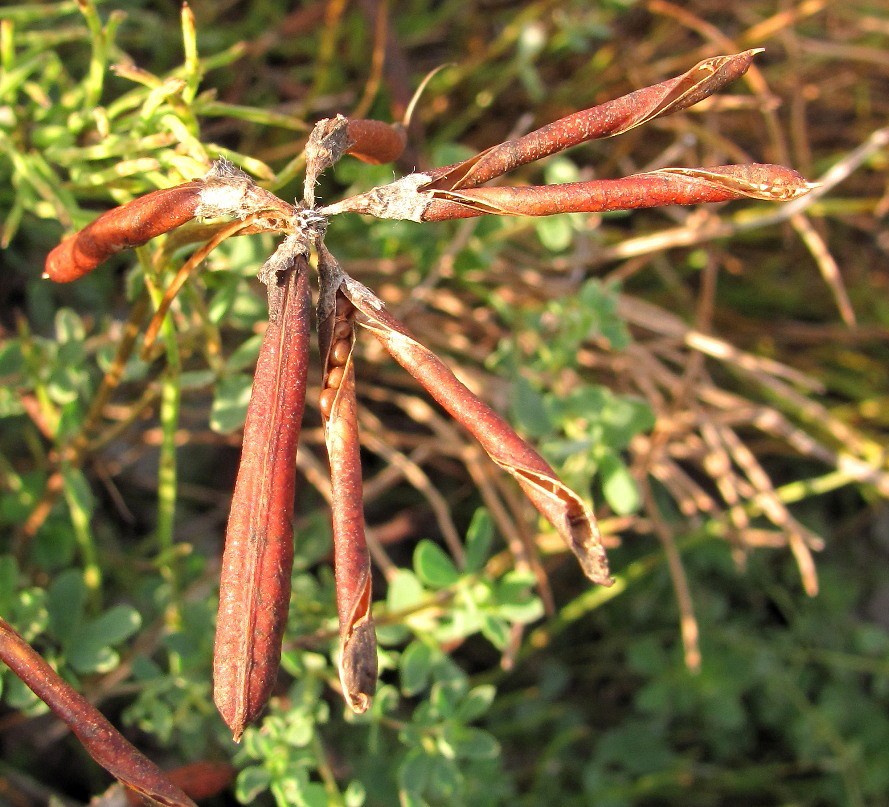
(715, 379)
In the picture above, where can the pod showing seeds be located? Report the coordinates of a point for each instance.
(129, 225)
(358, 656)
(255, 583)
(335, 377)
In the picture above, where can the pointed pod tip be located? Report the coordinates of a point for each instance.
(358, 666)
(360, 702)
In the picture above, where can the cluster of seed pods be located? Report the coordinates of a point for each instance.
(258, 555)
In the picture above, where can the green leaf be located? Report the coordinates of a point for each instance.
(554, 232)
(434, 566)
(244, 356)
(467, 742)
(529, 410)
(313, 795)
(415, 666)
(445, 696)
(114, 626)
(405, 592)
(414, 771)
(496, 631)
(476, 703)
(229, 409)
(65, 383)
(89, 649)
(445, 780)
(11, 359)
(9, 583)
(65, 602)
(69, 326)
(479, 537)
(251, 782)
(29, 613)
(618, 486)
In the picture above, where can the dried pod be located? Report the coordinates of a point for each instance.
(605, 120)
(104, 743)
(358, 652)
(668, 186)
(560, 505)
(258, 559)
(225, 192)
(375, 142)
(130, 225)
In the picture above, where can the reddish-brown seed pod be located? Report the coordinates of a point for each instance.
(668, 186)
(358, 657)
(375, 142)
(256, 565)
(123, 227)
(605, 120)
(105, 744)
(560, 505)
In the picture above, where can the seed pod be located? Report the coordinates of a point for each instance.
(560, 505)
(667, 186)
(104, 743)
(605, 120)
(258, 559)
(375, 142)
(358, 657)
(129, 225)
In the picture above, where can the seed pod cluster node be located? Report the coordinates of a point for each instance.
(258, 553)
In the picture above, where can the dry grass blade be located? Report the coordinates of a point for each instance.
(255, 581)
(103, 742)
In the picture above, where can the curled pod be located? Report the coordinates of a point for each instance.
(358, 658)
(129, 225)
(255, 582)
(375, 142)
